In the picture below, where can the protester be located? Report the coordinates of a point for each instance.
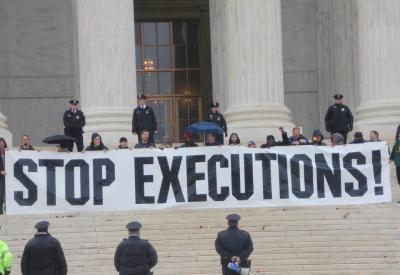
(216, 117)
(25, 144)
(123, 143)
(145, 140)
(234, 247)
(43, 255)
(6, 258)
(188, 140)
(297, 138)
(317, 138)
(395, 157)
(167, 144)
(358, 138)
(252, 144)
(374, 136)
(338, 118)
(211, 140)
(397, 133)
(74, 121)
(271, 142)
(144, 118)
(3, 148)
(135, 255)
(96, 144)
(234, 139)
(337, 139)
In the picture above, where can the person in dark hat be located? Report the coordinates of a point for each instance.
(338, 118)
(135, 256)
(216, 117)
(317, 138)
(271, 142)
(358, 138)
(144, 118)
(43, 255)
(145, 140)
(123, 143)
(74, 121)
(233, 245)
(96, 144)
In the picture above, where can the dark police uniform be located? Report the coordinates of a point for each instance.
(43, 254)
(74, 121)
(144, 118)
(134, 256)
(339, 119)
(233, 242)
(218, 118)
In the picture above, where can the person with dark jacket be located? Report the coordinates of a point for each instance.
(135, 256)
(25, 144)
(317, 138)
(271, 142)
(216, 117)
(233, 245)
(144, 118)
(211, 140)
(297, 138)
(145, 141)
(43, 255)
(395, 157)
(188, 141)
(74, 121)
(3, 148)
(338, 118)
(358, 138)
(96, 144)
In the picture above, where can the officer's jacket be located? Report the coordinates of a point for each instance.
(43, 255)
(233, 242)
(338, 118)
(218, 119)
(74, 122)
(134, 256)
(143, 119)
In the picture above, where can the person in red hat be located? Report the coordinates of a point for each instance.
(144, 118)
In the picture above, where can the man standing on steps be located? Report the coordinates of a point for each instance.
(43, 254)
(135, 256)
(234, 246)
(74, 121)
(338, 118)
(216, 117)
(144, 118)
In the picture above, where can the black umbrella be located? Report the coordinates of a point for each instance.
(58, 139)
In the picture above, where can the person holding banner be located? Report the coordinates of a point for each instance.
(3, 148)
(234, 247)
(96, 144)
(145, 141)
(43, 255)
(135, 256)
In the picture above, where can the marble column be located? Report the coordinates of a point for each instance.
(379, 66)
(107, 72)
(4, 132)
(246, 47)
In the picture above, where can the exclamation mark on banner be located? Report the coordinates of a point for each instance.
(377, 165)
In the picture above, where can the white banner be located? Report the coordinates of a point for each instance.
(203, 177)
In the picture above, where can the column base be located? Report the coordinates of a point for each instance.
(111, 124)
(383, 117)
(4, 132)
(257, 122)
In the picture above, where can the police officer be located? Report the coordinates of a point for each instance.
(74, 121)
(339, 118)
(6, 258)
(144, 118)
(43, 254)
(233, 245)
(216, 117)
(134, 256)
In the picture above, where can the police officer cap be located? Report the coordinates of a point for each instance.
(42, 226)
(338, 96)
(74, 102)
(233, 217)
(134, 226)
(214, 104)
(141, 96)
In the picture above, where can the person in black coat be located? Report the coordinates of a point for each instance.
(3, 148)
(317, 138)
(145, 140)
(135, 256)
(43, 255)
(216, 117)
(338, 118)
(74, 121)
(96, 144)
(271, 142)
(233, 245)
(144, 118)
